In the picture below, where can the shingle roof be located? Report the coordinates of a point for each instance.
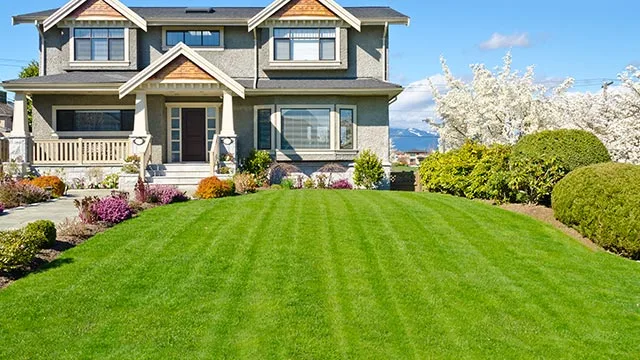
(223, 13)
(120, 77)
(6, 110)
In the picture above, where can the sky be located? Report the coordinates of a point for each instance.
(591, 41)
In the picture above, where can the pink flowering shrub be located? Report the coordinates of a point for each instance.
(343, 184)
(112, 209)
(165, 194)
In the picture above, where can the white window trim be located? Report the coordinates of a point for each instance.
(166, 47)
(181, 106)
(332, 128)
(72, 49)
(274, 119)
(88, 134)
(304, 64)
(354, 108)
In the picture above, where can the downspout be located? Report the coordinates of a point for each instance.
(385, 45)
(256, 58)
(43, 48)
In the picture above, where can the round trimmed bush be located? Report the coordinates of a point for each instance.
(572, 148)
(54, 183)
(213, 188)
(45, 229)
(602, 203)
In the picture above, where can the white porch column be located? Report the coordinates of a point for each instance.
(140, 123)
(227, 127)
(19, 138)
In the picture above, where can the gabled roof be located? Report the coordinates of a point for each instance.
(275, 6)
(73, 5)
(181, 50)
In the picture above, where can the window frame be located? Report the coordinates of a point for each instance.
(353, 108)
(256, 110)
(98, 63)
(88, 134)
(219, 29)
(305, 63)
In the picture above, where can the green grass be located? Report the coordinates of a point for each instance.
(399, 168)
(327, 275)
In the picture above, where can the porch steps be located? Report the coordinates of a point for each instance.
(181, 175)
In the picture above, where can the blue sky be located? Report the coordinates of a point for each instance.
(587, 40)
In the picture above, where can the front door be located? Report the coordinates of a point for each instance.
(194, 137)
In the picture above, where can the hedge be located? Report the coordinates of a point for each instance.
(602, 203)
(18, 248)
(572, 148)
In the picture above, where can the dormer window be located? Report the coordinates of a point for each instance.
(199, 38)
(99, 44)
(304, 44)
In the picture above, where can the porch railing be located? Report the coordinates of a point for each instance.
(81, 151)
(4, 150)
(214, 154)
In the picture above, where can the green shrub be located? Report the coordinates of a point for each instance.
(368, 170)
(44, 229)
(489, 179)
(603, 202)
(257, 163)
(18, 248)
(287, 184)
(533, 179)
(571, 148)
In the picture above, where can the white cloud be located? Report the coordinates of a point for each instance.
(500, 41)
(415, 104)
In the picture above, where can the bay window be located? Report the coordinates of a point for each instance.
(304, 44)
(99, 44)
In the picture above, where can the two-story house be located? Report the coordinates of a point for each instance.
(306, 80)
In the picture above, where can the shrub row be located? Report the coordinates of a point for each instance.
(15, 193)
(18, 248)
(603, 203)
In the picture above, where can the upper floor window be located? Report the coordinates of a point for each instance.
(304, 44)
(195, 38)
(94, 44)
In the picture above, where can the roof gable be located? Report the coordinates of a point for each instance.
(181, 63)
(94, 9)
(304, 8)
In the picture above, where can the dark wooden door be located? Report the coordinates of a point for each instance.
(194, 140)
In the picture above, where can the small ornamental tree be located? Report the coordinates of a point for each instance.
(368, 170)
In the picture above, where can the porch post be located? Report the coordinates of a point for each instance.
(140, 123)
(228, 137)
(19, 138)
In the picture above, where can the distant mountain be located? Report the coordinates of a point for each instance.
(413, 139)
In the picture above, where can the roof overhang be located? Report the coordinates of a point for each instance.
(391, 92)
(181, 50)
(72, 5)
(67, 88)
(270, 10)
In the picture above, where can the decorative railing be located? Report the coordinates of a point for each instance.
(214, 154)
(81, 151)
(4, 150)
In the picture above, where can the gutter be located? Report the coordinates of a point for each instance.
(256, 58)
(385, 46)
(43, 50)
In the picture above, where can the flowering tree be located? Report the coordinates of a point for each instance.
(496, 107)
(503, 105)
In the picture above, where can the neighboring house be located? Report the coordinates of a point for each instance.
(6, 114)
(415, 157)
(196, 89)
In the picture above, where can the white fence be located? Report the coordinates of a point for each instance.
(81, 151)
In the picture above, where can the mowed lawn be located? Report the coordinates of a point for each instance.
(327, 275)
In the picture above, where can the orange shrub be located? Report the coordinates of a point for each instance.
(213, 188)
(54, 183)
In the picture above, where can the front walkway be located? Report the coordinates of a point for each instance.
(57, 210)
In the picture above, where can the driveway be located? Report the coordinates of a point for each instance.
(56, 210)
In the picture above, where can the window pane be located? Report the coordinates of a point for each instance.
(281, 33)
(175, 157)
(306, 50)
(82, 33)
(83, 49)
(127, 120)
(282, 49)
(305, 33)
(99, 49)
(116, 49)
(264, 129)
(306, 129)
(100, 33)
(175, 112)
(210, 134)
(64, 120)
(346, 129)
(210, 38)
(211, 123)
(93, 120)
(175, 123)
(328, 33)
(175, 146)
(175, 135)
(211, 113)
(174, 37)
(193, 38)
(327, 49)
(116, 33)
